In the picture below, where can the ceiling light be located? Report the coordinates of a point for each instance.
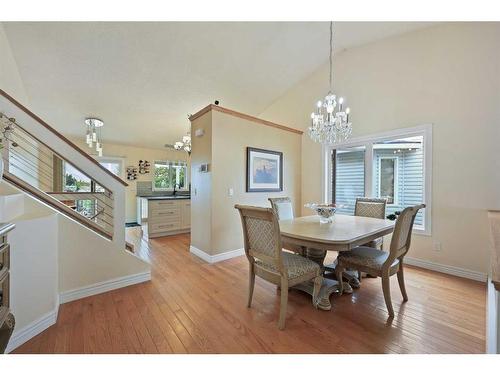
(93, 135)
(330, 122)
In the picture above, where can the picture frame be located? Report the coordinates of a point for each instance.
(264, 170)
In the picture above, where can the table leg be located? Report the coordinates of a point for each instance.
(349, 275)
(327, 288)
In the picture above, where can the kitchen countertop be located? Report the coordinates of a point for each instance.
(164, 197)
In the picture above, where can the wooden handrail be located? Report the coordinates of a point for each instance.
(59, 135)
(45, 198)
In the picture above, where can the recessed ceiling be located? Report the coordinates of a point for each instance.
(143, 79)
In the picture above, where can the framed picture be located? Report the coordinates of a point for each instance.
(264, 170)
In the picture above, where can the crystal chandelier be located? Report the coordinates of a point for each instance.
(330, 122)
(93, 138)
(185, 144)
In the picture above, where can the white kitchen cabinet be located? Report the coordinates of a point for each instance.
(168, 216)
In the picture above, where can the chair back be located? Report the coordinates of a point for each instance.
(401, 238)
(282, 207)
(261, 234)
(370, 207)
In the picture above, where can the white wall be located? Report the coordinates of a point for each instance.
(10, 80)
(34, 275)
(447, 75)
(85, 258)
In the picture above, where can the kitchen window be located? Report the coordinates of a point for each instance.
(394, 165)
(167, 174)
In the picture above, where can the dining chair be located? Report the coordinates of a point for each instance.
(371, 207)
(262, 242)
(283, 208)
(381, 263)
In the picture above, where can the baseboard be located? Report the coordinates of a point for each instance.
(218, 257)
(104, 286)
(31, 330)
(450, 270)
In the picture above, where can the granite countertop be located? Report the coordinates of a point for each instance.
(163, 197)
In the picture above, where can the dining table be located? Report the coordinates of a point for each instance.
(316, 238)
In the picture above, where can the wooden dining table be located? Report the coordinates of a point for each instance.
(344, 233)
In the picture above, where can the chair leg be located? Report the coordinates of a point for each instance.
(284, 301)
(359, 276)
(386, 288)
(401, 281)
(251, 284)
(338, 274)
(318, 281)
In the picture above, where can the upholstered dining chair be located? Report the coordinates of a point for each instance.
(282, 206)
(262, 239)
(381, 263)
(283, 209)
(371, 207)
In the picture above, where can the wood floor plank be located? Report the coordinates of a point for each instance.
(194, 307)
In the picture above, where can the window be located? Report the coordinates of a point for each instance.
(74, 180)
(114, 165)
(387, 179)
(168, 174)
(350, 177)
(394, 165)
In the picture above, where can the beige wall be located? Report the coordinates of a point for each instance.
(230, 136)
(131, 156)
(447, 75)
(201, 184)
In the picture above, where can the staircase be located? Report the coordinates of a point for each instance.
(69, 240)
(32, 164)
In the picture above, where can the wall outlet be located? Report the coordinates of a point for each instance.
(230, 192)
(436, 246)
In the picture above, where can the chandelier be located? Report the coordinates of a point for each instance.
(185, 144)
(93, 137)
(330, 122)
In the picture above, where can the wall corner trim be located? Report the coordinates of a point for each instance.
(450, 270)
(104, 286)
(218, 257)
(212, 107)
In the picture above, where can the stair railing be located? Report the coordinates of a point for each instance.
(45, 164)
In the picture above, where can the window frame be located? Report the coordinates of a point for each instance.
(187, 176)
(395, 198)
(422, 130)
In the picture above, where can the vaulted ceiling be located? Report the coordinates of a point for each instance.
(143, 79)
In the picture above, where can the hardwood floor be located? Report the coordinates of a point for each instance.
(194, 307)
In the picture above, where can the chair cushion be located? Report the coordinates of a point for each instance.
(295, 265)
(364, 257)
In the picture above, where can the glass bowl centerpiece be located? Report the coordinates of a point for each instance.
(325, 211)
